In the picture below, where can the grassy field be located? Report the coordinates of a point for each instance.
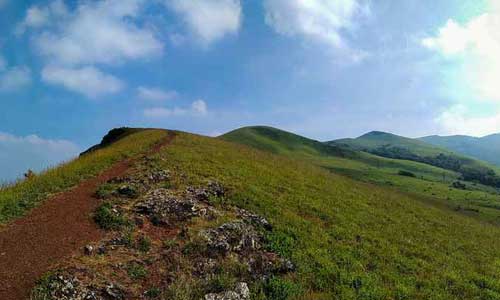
(350, 240)
(15, 200)
(431, 184)
(353, 227)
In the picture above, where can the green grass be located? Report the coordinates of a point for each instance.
(377, 139)
(431, 185)
(282, 142)
(349, 239)
(394, 146)
(15, 200)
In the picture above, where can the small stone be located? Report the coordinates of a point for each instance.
(101, 250)
(128, 191)
(88, 250)
(114, 292)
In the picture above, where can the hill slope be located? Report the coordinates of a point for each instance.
(344, 238)
(431, 184)
(349, 240)
(17, 199)
(394, 146)
(377, 139)
(485, 148)
(282, 142)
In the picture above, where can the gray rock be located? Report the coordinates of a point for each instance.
(253, 219)
(164, 208)
(241, 292)
(213, 189)
(235, 236)
(88, 250)
(128, 191)
(156, 176)
(114, 292)
(65, 287)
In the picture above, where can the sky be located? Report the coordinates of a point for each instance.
(71, 70)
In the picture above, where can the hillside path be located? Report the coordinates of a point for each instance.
(52, 232)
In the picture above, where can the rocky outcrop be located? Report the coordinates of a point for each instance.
(240, 292)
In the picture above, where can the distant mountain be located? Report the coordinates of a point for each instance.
(377, 139)
(398, 147)
(484, 148)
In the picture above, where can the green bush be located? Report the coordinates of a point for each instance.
(136, 271)
(153, 293)
(108, 219)
(144, 244)
(105, 191)
(406, 173)
(280, 289)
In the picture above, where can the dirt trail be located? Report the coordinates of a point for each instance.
(53, 231)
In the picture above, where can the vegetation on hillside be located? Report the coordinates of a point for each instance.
(393, 146)
(349, 240)
(15, 200)
(484, 148)
(376, 235)
(433, 185)
(282, 142)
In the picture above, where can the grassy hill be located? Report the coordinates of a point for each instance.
(16, 199)
(283, 142)
(349, 238)
(484, 148)
(430, 184)
(377, 139)
(394, 146)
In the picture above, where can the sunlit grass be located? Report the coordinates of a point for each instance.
(16, 199)
(350, 240)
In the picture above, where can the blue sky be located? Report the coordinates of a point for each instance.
(71, 70)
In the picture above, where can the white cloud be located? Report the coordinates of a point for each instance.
(18, 154)
(37, 17)
(41, 16)
(198, 108)
(209, 20)
(155, 94)
(476, 44)
(457, 120)
(15, 78)
(322, 20)
(100, 32)
(88, 81)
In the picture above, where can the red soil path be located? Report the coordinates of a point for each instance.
(53, 231)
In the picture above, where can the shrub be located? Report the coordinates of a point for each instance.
(136, 271)
(406, 173)
(280, 289)
(105, 191)
(144, 244)
(108, 219)
(459, 185)
(153, 293)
